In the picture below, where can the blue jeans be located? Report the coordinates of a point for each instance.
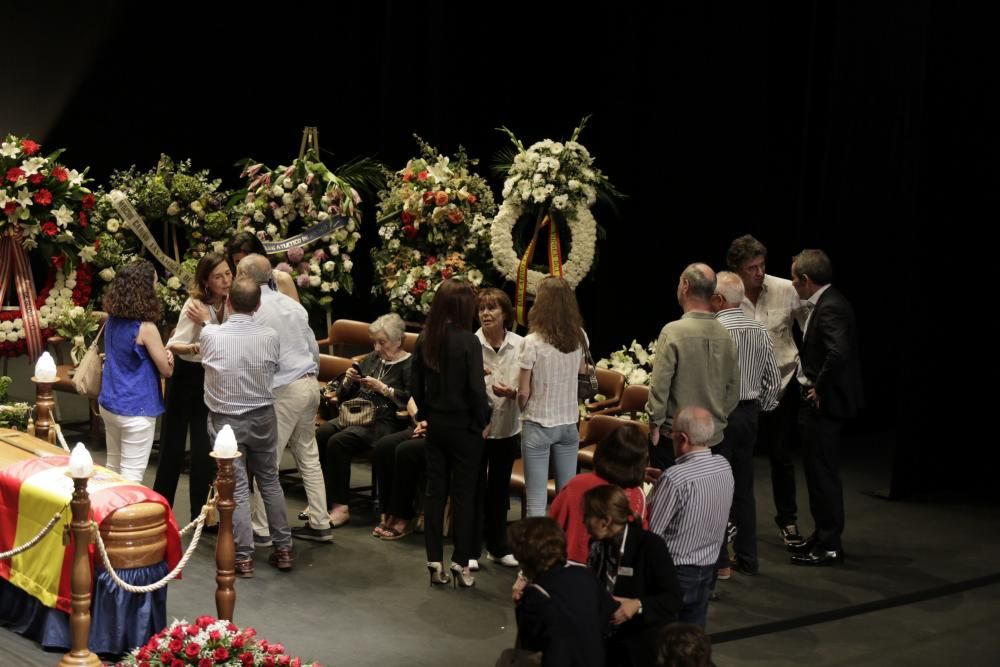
(536, 441)
(696, 582)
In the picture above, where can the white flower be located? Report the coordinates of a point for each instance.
(334, 249)
(32, 165)
(288, 183)
(539, 195)
(12, 337)
(24, 199)
(272, 229)
(348, 264)
(65, 292)
(302, 188)
(408, 300)
(174, 208)
(277, 191)
(314, 281)
(475, 277)
(75, 177)
(440, 171)
(324, 287)
(107, 275)
(7, 326)
(21, 333)
(9, 149)
(560, 202)
(340, 235)
(258, 216)
(174, 283)
(113, 225)
(287, 199)
(394, 244)
(63, 216)
(334, 286)
(329, 267)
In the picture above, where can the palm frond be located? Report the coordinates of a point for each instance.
(364, 174)
(503, 159)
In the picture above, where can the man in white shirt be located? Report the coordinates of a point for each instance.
(773, 302)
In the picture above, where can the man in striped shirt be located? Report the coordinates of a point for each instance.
(689, 509)
(240, 359)
(760, 383)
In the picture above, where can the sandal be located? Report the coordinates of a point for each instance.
(380, 530)
(392, 534)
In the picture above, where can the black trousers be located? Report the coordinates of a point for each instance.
(185, 411)
(338, 445)
(779, 434)
(821, 457)
(455, 453)
(493, 495)
(399, 468)
(737, 446)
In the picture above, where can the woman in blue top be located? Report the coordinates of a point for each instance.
(131, 397)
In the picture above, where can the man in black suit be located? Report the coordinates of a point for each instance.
(829, 375)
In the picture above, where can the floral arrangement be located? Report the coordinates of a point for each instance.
(433, 225)
(208, 642)
(76, 324)
(635, 362)
(65, 288)
(171, 198)
(12, 415)
(552, 181)
(288, 200)
(43, 201)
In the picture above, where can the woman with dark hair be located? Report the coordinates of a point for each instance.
(185, 399)
(501, 348)
(245, 243)
(552, 356)
(447, 385)
(620, 459)
(561, 611)
(635, 567)
(135, 358)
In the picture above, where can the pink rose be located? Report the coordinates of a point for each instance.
(295, 255)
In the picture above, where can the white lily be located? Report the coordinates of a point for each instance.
(63, 215)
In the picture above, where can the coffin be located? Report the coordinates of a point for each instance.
(138, 530)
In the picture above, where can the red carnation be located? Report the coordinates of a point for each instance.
(471, 199)
(246, 658)
(14, 174)
(206, 662)
(407, 217)
(35, 179)
(43, 197)
(29, 147)
(177, 632)
(88, 203)
(176, 663)
(239, 641)
(201, 621)
(215, 636)
(428, 198)
(422, 176)
(60, 174)
(221, 654)
(144, 653)
(50, 228)
(431, 260)
(10, 207)
(175, 645)
(268, 661)
(192, 630)
(284, 660)
(192, 650)
(83, 219)
(166, 657)
(276, 649)
(409, 231)
(446, 273)
(58, 261)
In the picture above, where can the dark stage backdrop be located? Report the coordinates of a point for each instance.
(804, 123)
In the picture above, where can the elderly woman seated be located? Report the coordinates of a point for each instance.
(383, 380)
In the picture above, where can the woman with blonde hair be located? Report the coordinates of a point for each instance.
(552, 355)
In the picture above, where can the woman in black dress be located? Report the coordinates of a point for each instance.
(447, 385)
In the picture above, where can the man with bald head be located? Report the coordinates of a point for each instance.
(689, 508)
(760, 382)
(695, 364)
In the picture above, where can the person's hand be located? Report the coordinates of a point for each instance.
(517, 590)
(629, 607)
(654, 435)
(196, 312)
(813, 397)
(170, 358)
(486, 431)
(420, 430)
(652, 474)
(487, 370)
(503, 391)
(195, 348)
(352, 375)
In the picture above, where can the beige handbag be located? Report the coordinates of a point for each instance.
(357, 412)
(87, 378)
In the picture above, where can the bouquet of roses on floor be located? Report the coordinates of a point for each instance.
(433, 225)
(208, 642)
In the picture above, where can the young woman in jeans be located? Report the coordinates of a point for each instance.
(551, 357)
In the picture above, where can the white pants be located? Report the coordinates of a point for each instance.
(295, 406)
(130, 439)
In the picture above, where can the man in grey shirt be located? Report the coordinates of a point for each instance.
(696, 363)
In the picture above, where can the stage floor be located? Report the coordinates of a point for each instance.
(920, 587)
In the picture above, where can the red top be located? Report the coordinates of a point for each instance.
(567, 510)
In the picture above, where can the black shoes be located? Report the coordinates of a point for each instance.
(746, 568)
(790, 535)
(307, 532)
(803, 547)
(819, 556)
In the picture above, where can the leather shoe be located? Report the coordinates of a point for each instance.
(803, 547)
(244, 568)
(746, 568)
(281, 558)
(819, 557)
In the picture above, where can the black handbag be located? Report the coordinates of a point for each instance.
(586, 382)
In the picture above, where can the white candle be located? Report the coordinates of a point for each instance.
(225, 443)
(45, 369)
(80, 462)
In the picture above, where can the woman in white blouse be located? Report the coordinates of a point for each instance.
(185, 399)
(551, 356)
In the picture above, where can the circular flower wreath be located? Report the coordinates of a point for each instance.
(550, 179)
(434, 226)
(290, 200)
(65, 288)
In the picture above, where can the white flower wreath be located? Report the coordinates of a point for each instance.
(582, 227)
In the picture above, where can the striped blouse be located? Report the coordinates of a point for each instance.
(760, 378)
(553, 400)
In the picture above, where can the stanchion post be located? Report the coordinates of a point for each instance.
(44, 404)
(80, 581)
(225, 545)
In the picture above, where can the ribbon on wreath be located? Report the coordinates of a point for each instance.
(14, 260)
(139, 228)
(554, 256)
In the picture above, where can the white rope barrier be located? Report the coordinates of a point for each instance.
(200, 521)
(36, 539)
